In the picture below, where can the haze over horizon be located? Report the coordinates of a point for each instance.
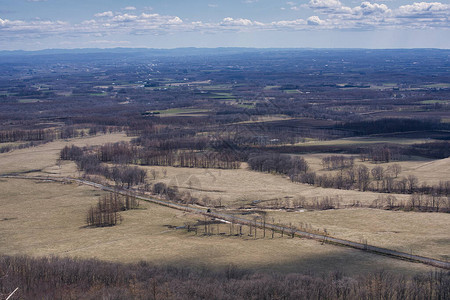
(67, 24)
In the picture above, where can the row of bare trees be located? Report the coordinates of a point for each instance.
(301, 202)
(416, 202)
(377, 179)
(130, 153)
(190, 159)
(333, 162)
(50, 134)
(380, 154)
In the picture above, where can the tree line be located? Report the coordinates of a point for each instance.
(56, 278)
(91, 164)
(123, 152)
(416, 202)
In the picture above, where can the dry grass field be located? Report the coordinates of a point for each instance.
(356, 141)
(424, 234)
(44, 157)
(44, 218)
(426, 170)
(238, 187)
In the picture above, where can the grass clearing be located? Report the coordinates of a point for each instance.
(241, 187)
(44, 157)
(48, 218)
(435, 102)
(423, 234)
(365, 141)
(291, 91)
(425, 169)
(437, 86)
(28, 100)
(217, 87)
(180, 111)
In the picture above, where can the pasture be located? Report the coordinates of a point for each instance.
(48, 219)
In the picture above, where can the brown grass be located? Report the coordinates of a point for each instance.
(41, 219)
(423, 234)
(242, 186)
(47, 219)
(44, 157)
(427, 170)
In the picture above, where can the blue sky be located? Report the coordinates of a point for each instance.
(43, 24)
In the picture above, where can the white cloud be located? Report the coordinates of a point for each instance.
(423, 15)
(315, 21)
(174, 21)
(367, 8)
(149, 16)
(124, 18)
(331, 14)
(236, 22)
(299, 23)
(329, 6)
(130, 8)
(325, 4)
(424, 10)
(104, 14)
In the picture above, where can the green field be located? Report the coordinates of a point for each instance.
(178, 111)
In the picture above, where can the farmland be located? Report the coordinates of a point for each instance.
(49, 220)
(357, 152)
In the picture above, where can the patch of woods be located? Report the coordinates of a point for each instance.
(90, 163)
(392, 125)
(107, 210)
(35, 137)
(127, 153)
(62, 278)
(51, 134)
(376, 153)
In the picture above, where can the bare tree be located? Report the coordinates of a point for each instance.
(412, 181)
(378, 174)
(154, 173)
(394, 169)
(362, 173)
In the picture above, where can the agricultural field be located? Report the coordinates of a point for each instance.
(48, 219)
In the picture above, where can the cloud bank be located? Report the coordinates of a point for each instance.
(327, 14)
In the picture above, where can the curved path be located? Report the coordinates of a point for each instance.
(243, 221)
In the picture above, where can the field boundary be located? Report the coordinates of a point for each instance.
(230, 218)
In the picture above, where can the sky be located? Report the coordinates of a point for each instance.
(67, 24)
